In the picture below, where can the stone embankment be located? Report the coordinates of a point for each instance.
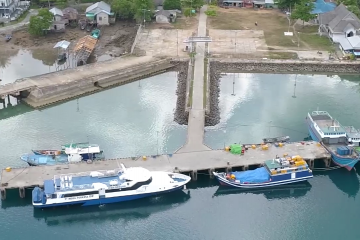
(284, 66)
(64, 85)
(181, 113)
(220, 66)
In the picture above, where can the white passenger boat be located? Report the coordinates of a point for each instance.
(103, 187)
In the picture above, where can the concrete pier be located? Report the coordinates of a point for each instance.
(54, 87)
(196, 122)
(192, 163)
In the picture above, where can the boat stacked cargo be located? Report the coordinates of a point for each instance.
(344, 150)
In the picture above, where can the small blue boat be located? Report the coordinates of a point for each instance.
(38, 160)
(278, 171)
(69, 153)
(334, 138)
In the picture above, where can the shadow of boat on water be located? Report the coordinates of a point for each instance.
(295, 190)
(346, 181)
(132, 210)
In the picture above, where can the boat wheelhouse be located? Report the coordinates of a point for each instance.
(103, 187)
(353, 135)
(333, 137)
(278, 171)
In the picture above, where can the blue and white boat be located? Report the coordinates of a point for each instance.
(39, 160)
(103, 187)
(68, 154)
(278, 171)
(334, 138)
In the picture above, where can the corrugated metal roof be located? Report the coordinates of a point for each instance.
(62, 44)
(354, 41)
(55, 11)
(101, 5)
(345, 44)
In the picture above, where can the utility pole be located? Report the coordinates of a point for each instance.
(233, 93)
(177, 42)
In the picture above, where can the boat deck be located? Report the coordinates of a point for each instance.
(326, 123)
(333, 147)
(189, 162)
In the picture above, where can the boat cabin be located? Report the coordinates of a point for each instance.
(281, 168)
(329, 129)
(353, 136)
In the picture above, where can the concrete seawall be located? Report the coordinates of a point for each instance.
(284, 66)
(219, 66)
(64, 85)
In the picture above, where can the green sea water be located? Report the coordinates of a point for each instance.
(131, 120)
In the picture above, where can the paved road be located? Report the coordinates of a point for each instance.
(25, 21)
(195, 134)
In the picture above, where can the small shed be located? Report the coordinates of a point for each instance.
(70, 14)
(165, 16)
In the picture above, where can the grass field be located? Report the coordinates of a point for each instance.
(274, 23)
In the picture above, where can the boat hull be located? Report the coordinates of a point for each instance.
(118, 199)
(346, 162)
(224, 182)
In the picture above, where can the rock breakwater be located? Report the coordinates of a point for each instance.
(181, 114)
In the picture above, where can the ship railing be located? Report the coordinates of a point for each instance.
(75, 187)
(320, 113)
(103, 173)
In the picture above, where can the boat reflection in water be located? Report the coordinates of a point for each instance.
(345, 181)
(294, 190)
(137, 209)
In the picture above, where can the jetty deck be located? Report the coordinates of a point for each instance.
(16, 87)
(59, 86)
(191, 163)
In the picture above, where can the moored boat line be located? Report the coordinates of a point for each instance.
(193, 163)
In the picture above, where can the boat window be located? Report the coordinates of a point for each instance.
(80, 194)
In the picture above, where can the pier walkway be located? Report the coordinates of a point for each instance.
(196, 122)
(202, 162)
(47, 89)
(16, 88)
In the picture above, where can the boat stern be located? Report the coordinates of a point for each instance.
(38, 197)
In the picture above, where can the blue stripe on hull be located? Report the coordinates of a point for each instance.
(347, 162)
(312, 133)
(270, 184)
(109, 200)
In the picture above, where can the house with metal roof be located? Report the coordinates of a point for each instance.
(59, 22)
(99, 12)
(342, 27)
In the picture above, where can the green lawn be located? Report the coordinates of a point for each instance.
(317, 42)
(282, 55)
